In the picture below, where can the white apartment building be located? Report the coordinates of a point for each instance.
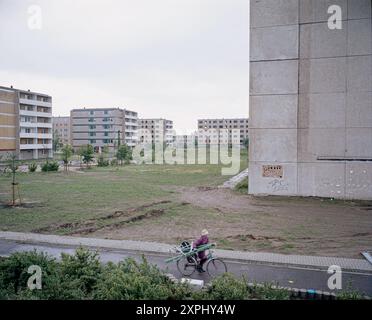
(223, 131)
(25, 123)
(103, 127)
(61, 127)
(156, 131)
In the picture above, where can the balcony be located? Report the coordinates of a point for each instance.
(44, 125)
(35, 146)
(35, 102)
(35, 113)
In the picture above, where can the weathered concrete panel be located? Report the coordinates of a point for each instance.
(277, 186)
(322, 179)
(359, 180)
(333, 84)
(278, 111)
(315, 143)
(265, 13)
(274, 43)
(359, 37)
(322, 110)
(323, 75)
(359, 109)
(359, 9)
(359, 73)
(318, 41)
(317, 10)
(270, 145)
(274, 77)
(359, 142)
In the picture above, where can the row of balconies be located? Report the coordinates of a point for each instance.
(35, 146)
(35, 102)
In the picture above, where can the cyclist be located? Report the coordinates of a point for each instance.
(203, 240)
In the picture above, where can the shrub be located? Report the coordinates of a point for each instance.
(32, 167)
(267, 291)
(14, 271)
(225, 287)
(242, 186)
(129, 280)
(114, 162)
(102, 162)
(50, 166)
(83, 269)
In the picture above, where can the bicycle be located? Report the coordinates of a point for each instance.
(187, 261)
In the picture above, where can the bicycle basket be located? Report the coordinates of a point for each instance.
(185, 247)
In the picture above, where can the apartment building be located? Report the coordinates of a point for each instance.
(25, 124)
(103, 127)
(222, 131)
(62, 128)
(156, 130)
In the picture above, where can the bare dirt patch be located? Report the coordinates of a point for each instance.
(310, 226)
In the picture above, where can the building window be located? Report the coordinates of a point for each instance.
(92, 141)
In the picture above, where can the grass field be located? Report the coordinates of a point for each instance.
(171, 203)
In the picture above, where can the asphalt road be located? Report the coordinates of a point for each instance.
(295, 277)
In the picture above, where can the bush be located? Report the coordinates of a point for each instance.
(225, 287)
(114, 162)
(14, 271)
(83, 269)
(102, 162)
(129, 280)
(228, 287)
(32, 167)
(50, 166)
(242, 186)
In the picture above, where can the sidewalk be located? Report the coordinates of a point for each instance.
(357, 265)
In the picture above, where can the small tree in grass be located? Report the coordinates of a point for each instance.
(87, 154)
(66, 155)
(12, 165)
(124, 154)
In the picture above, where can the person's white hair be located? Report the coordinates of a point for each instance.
(204, 232)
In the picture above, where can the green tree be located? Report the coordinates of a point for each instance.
(67, 152)
(246, 143)
(57, 143)
(12, 165)
(124, 154)
(87, 154)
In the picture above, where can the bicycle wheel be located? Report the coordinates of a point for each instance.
(216, 267)
(187, 266)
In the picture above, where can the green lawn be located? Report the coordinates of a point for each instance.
(57, 198)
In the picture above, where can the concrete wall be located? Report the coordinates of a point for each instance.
(311, 99)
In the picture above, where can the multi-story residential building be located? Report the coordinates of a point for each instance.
(25, 123)
(61, 127)
(103, 127)
(156, 131)
(221, 131)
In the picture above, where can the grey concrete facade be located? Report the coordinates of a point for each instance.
(310, 99)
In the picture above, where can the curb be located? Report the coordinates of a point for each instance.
(320, 263)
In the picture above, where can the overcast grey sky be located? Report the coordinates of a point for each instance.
(175, 59)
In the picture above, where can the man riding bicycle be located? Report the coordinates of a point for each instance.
(203, 240)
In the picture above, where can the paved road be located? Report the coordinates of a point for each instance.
(295, 277)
